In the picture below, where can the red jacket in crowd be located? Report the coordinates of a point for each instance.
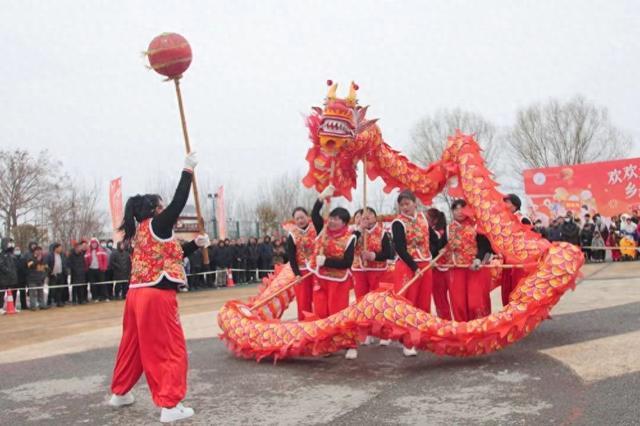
(103, 257)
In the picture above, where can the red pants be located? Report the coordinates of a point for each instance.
(419, 294)
(469, 293)
(304, 295)
(510, 279)
(330, 297)
(153, 343)
(366, 281)
(441, 293)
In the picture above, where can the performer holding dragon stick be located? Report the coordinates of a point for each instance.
(468, 285)
(370, 261)
(152, 338)
(300, 249)
(412, 238)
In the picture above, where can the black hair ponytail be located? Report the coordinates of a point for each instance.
(137, 209)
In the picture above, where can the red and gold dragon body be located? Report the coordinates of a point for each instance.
(342, 137)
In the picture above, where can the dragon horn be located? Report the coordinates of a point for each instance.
(351, 98)
(331, 94)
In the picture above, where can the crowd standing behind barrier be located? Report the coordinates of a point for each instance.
(95, 271)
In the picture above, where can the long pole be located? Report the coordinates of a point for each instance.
(328, 207)
(419, 273)
(364, 196)
(196, 196)
(282, 290)
(364, 201)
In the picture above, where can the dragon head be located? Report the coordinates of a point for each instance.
(341, 135)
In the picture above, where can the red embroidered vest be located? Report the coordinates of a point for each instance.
(331, 248)
(374, 244)
(154, 258)
(304, 240)
(416, 231)
(462, 247)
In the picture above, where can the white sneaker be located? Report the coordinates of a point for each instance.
(385, 342)
(409, 352)
(351, 354)
(178, 412)
(368, 340)
(121, 400)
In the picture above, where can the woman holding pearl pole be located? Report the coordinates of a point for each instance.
(152, 338)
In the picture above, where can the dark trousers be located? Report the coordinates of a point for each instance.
(98, 292)
(195, 281)
(122, 287)
(80, 295)
(23, 298)
(57, 294)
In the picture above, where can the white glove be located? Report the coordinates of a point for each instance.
(475, 265)
(202, 240)
(369, 255)
(191, 160)
(320, 260)
(328, 192)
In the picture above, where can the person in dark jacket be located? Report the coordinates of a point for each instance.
(195, 264)
(586, 237)
(540, 229)
(8, 270)
(120, 265)
(57, 274)
(242, 255)
(554, 232)
(78, 271)
(253, 256)
(36, 273)
(570, 230)
(265, 250)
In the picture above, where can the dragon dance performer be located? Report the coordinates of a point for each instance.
(331, 265)
(300, 248)
(368, 266)
(371, 264)
(152, 337)
(469, 285)
(440, 274)
(412, 238)
(511, 277)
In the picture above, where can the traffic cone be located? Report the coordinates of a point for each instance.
(10, 307)
(230, 282)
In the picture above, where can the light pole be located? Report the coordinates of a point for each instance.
(213, 198)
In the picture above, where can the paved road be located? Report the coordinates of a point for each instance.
(581, 367)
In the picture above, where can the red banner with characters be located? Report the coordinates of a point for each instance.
(115, 202)
(609, 188)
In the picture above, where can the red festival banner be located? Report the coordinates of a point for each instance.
(221, 217)
(609, 188)
(115, 203)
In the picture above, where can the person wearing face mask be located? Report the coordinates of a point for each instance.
(152, 338)
(412, 239)
(570, 230)
(36, 273)
(8, 270)
(468, 283)
(300, 248)
(331, 262)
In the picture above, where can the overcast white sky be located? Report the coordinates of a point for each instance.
(74, 80)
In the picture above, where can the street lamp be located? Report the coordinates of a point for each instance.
(213, 198)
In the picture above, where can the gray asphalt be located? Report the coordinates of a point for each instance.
(518, 385)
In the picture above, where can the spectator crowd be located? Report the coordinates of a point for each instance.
(616, 238)
(98, 261)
